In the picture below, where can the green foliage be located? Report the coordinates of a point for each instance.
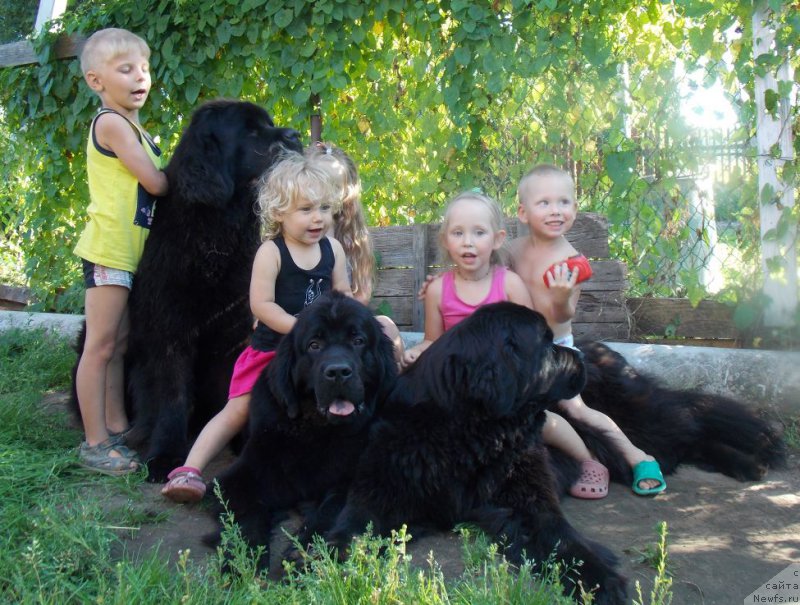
(17, 18)
(429, 97)
(791, 432)
(33, 360)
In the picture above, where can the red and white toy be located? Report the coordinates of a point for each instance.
(579, 260)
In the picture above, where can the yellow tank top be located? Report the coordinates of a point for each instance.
(120, 209)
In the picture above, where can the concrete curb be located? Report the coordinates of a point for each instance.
(60, 324)
(764, 379)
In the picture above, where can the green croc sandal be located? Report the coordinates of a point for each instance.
(648, 469)
(98, 458)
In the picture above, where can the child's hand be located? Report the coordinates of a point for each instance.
(561, 275)
(424, 287)
(562, 282)
(409, 357)
(412, 354)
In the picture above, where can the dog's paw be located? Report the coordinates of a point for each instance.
(159, 467)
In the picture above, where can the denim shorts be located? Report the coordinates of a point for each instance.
(98, 275)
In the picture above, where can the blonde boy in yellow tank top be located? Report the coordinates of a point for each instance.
(123, 166)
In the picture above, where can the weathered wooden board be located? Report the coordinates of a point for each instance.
(14, 54)
(13, 298)
(675, 317)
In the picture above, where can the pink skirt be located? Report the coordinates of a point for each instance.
(247, 370)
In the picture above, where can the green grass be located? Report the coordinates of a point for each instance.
(60, 540)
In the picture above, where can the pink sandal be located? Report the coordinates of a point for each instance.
(592, 483)
(185, 485)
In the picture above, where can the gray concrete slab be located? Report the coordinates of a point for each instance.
(58, 323)
(767, 380)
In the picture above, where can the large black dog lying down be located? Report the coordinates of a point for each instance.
(189, 308)
(459, 441)
(677, 427)
(310, 414)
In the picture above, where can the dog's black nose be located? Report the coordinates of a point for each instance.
(338, 372)
(292, 138)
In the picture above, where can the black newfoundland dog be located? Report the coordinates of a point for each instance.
(675, 426)
(310, 414)
(458, 440)
(189, 309)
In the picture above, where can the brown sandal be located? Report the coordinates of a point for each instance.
(98, 458)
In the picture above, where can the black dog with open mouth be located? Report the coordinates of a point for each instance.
(310, 414)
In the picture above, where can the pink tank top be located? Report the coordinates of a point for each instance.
(454, 309)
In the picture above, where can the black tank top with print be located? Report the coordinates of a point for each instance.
(295, 289)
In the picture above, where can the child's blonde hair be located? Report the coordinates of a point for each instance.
(294, 178)
(105, 44)
(537, 171)
(349, 225)
(496, 220)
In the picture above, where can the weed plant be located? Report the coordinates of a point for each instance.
(661, 593)
(60, 538)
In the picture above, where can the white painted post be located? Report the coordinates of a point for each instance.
(774, 143)
(48, 10)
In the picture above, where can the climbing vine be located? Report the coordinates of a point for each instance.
(429, 97)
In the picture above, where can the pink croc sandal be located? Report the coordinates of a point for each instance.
(592, 483)
(185, 485)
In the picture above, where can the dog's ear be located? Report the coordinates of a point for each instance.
(199, 170)
(563, 375)
(281, 371)
(485, 382)
(499, 384)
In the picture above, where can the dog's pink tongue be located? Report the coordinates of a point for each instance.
(340, 407)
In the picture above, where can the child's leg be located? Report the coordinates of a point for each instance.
(116, 416)
(219, 431)
(185, 482)
(577, 409)
(592, 482)
(106, 316)
(560, 434)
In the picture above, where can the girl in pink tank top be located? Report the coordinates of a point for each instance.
(453, 309)
(471, 236)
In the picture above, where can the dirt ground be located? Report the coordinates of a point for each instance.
(725, 538)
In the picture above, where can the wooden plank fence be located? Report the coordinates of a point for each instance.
(406, 254)
(676, 321)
